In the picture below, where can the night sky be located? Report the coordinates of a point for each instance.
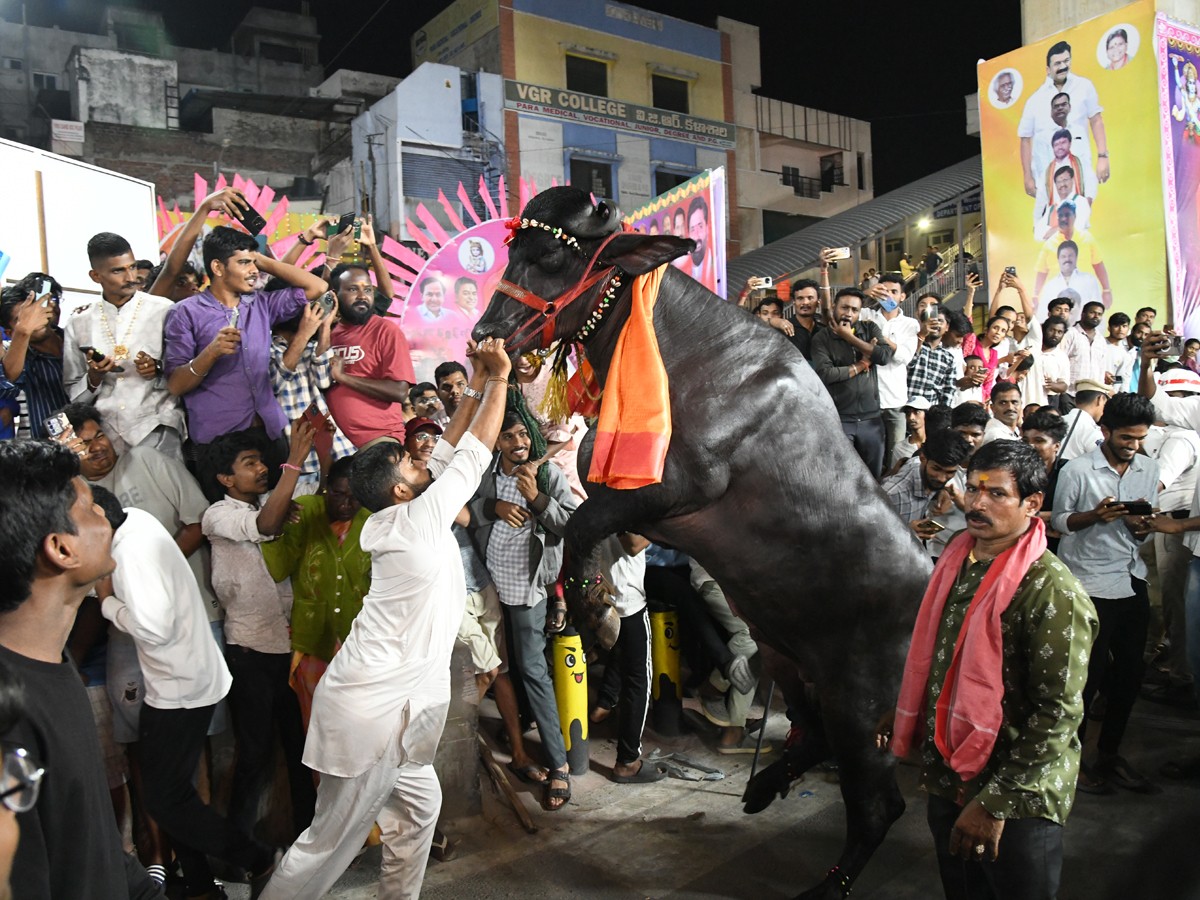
(903, 67)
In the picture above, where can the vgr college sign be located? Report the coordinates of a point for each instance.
(588, 109)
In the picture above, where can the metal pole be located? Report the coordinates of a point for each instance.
(762, 729)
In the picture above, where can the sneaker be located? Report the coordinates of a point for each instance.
(1118, 770)
(714, 709)
(746, 745)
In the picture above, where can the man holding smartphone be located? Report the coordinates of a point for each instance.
(1102, 508)
(112, 354)
(218, 343)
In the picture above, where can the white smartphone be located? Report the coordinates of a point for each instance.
(841, 253)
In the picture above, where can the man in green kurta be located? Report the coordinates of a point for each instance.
(992, 692)
(330, 573)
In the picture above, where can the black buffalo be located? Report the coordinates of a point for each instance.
(760, 487)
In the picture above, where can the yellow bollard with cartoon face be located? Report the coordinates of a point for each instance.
(571, 695)
(666, 689)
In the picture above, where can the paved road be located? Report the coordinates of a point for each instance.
(687, 840)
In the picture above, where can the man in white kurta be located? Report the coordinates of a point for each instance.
(379, 711)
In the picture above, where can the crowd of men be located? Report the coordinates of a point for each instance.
(237, 511)
(1110, 420)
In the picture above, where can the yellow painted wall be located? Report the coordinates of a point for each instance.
(541, 59)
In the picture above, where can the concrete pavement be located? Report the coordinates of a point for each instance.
(690, 840)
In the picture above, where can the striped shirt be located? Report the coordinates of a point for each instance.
(42, 381)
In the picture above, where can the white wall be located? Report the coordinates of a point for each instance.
(79, 200)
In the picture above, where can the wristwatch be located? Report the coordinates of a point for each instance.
(472, 393)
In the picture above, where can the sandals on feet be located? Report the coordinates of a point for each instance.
(647, 773)
(556, 618)
(553, 793)
(529, 774)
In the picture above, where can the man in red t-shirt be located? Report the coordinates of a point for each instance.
(372, 370)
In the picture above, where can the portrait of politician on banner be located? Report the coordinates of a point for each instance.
(1071, 167)
(696, 210)
(1178, 47)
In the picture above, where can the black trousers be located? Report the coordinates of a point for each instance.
(869, 439)
(627, 680)
(1028, 867)
(262, 703)
(705, 645)
(1117, 662)
(170, 742)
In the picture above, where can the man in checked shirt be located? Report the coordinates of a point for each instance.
(912, 490)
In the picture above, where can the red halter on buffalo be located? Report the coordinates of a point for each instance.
(550, 309)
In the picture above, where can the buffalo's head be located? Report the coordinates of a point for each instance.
(549, 261)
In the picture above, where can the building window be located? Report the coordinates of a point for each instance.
(831, 172)
(862, 171)
(596, 177)
(941, 239)
(587, 76)
(280, 52)
(669, 93)
(45, 82)
(664, 181)
(15, 64)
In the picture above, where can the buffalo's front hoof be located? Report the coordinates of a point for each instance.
(607, 627)
(761, 790)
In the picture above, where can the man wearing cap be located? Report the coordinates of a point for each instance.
(911, 490)
(914, 420)
(1083, 429)
(1177, 450)
(420, 437)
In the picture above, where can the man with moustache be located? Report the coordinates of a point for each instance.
(1045, 217)
(1003, 90)
(991, 689)
(466, 297)
(126, 326)
(805, 300)
(912, 489)
(1083, 111)
(845, 356)
(702, 263)
(1054, 364)
(371, 370)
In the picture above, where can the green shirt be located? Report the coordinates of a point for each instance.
(1047, 631)
(329, 580)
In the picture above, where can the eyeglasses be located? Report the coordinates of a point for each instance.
(21, 780)
(425, 437)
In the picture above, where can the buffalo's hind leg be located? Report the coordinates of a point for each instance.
(869, 790)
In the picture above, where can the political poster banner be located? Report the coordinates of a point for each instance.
(696, 209)
(450, 294)
(1072, 171)
(1178, 50)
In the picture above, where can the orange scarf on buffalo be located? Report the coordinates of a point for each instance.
(634, 429)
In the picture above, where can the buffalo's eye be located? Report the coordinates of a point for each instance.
(553, 259)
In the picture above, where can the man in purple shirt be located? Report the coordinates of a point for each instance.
(218, 343)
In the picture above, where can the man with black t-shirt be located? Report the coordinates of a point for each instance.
(55, 544)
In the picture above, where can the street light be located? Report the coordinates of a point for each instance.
(923, 224)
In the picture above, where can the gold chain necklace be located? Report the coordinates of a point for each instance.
(120, 350)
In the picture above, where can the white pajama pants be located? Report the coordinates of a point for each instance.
(404, 801)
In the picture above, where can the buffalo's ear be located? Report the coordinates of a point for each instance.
(638, 254)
